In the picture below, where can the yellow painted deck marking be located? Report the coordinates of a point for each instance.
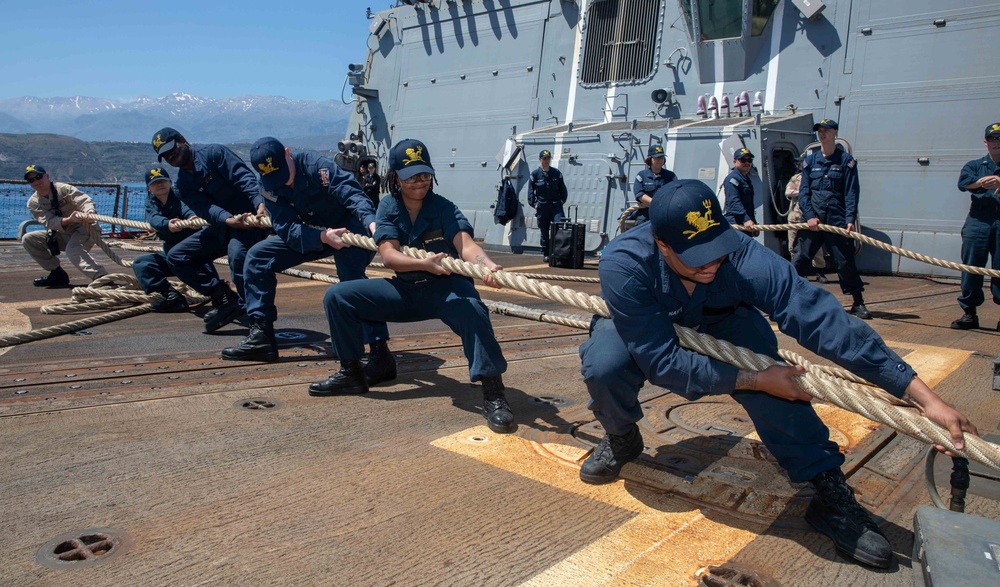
(13, 321)
(643, 551)
(668, 539)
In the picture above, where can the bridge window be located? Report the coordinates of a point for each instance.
(723, 19)
(621, 41)
(762, 10)
(720, 19)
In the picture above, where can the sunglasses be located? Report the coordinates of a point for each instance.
(34, 178)
(418, 178)
(746, 160)
(993, 139)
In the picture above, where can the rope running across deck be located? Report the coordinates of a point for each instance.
(849, 395)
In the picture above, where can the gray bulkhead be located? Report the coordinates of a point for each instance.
(909, 82)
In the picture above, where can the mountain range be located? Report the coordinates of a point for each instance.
(299, 123)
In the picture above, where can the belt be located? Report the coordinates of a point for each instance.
(708, 311)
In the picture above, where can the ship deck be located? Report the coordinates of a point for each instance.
(207, 472)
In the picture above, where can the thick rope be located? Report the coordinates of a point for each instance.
(879, 245)
(74, 326)
(857, 398)
(869, 402)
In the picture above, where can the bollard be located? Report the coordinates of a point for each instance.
(996, 374)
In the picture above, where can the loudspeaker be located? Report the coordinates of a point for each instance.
(660, 96)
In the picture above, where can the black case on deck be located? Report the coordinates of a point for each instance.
(566, 241)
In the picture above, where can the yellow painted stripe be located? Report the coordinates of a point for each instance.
(643, 551)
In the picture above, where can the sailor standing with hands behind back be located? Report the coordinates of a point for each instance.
(740, 208)
(546, 194)
(829, 194)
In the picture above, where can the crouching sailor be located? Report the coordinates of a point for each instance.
(694, 270)
(191, 262)
(422, 289)
(311, 202)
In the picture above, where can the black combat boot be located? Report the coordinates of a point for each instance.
(172, 301)
(227, 306)
(498, 415)
(821, 278)
(260, 345)
(56, 278)
(968, 321)
(836, 513)
(381, 364)
(349, 380)
(859, 309)
(610, 455)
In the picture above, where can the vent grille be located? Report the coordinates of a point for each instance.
(621, 41)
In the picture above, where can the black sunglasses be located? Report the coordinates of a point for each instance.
(993, 139)
(745, 160)
(34, 178)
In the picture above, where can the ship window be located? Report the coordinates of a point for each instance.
(720, 19)
(621, 41)
(686, 10)
(762, 10)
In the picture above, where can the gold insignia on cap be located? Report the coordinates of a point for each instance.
(825, 121)
(699, 221)
(414, 155)
(267, 167)
(30, 168)
(995, 127)
(658, 149)
(158, 172)
(157, 143)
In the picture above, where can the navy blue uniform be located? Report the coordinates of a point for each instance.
(739, 199)
(644, 296)
(412, 296)
(322, 196)
(547, 194)
(647, 182)
(830, 191)
(222, 186)
(208, 243)
(980, 233)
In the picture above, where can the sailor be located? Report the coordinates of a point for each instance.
(981, 232)
(219, 187)
(63, 217)
(829, 194)
(650, 179)
(795, 217)
(692, 269)
(202, 246)
(311, 202)
(546, 194)
(371, 183)
(415, 216)
(740, 208)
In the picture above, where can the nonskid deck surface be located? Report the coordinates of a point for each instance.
(220, 472)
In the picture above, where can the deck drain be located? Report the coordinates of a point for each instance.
(479, 438)
(257, 404)
(548, 400)
(729, 576)
(82, 549)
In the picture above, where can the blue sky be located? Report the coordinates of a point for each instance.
(298, 49)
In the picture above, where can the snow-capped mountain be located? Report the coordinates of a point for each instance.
(201, 120)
